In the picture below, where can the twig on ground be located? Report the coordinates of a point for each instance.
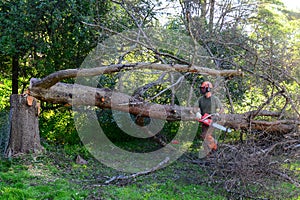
(123, 177)
(286, 177)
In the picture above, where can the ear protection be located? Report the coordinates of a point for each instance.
(208, 89)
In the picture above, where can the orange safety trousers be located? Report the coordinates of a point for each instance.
(209, 142)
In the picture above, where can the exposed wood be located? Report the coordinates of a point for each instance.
(51, 90)
(30, 100)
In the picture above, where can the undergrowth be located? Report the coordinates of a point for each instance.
(55, 175)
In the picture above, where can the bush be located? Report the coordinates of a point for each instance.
(4, 130)
(57, 126)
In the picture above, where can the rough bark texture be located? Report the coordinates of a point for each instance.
(50, 89)
(62, 93)
(104, 98)
(24, 131)
(244, 122)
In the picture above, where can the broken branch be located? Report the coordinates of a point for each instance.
(122, 177)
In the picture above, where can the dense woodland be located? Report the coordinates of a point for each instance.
(134, 68)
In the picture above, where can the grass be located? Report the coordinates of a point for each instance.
(167, 190)
(19, 180)
(55, 175)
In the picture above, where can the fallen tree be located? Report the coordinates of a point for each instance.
(49, 89)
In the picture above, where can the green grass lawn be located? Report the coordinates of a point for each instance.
(55, 175)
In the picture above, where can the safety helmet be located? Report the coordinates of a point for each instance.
(206, 86)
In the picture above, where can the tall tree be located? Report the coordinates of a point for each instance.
(37, 38)
(40, 37)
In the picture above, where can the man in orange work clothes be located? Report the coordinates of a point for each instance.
(210, 104)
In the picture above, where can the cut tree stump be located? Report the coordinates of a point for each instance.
(24, 126)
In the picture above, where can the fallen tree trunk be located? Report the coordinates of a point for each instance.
(49, 89)
(244, 122)
(75, 94)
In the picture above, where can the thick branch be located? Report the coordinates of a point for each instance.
(55, 77)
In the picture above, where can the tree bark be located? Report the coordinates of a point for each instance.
(49, 89)
(54, 78)
(73, 94)
(24, 128)
(244, 122)
(62, 93)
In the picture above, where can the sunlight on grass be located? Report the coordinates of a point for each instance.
(158, 191)
(35, 182)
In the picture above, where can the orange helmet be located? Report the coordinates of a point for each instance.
(206, 86)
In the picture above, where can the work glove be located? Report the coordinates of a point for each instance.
(198, 115)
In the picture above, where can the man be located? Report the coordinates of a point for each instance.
(210, 104)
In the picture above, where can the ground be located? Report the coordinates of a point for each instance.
(55, 175)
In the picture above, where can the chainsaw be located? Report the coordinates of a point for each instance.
(206, 120)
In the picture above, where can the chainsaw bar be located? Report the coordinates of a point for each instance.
(223, 128)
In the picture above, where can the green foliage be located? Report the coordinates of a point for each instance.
(47, 36)
(5, 91)
(115, 133)
(238, 87)
(254, 96)
(57, 126)
(76, 149)
(110, 128)
(4, 130)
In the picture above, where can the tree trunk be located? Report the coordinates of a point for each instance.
(15, 74)
(24, 129)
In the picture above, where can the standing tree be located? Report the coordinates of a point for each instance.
(39, 38)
